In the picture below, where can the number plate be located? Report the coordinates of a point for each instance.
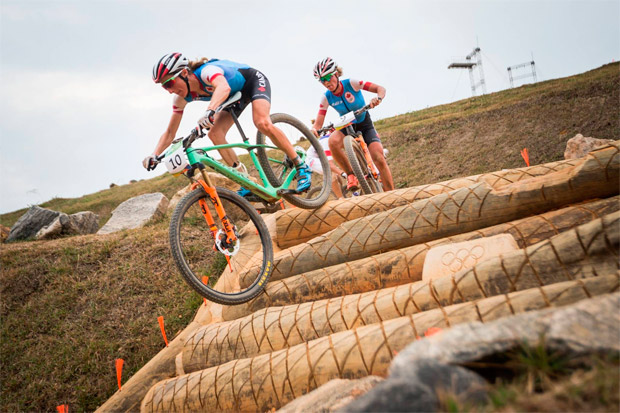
(176, 159)
(344, 121)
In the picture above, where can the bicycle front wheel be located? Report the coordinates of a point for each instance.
(278, 166)
(206, 261)
(355, 155)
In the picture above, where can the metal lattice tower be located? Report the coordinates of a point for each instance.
(531, 64)
(469, 63)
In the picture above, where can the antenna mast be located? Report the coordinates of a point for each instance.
(469, 64)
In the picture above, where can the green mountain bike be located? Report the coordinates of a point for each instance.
(214, 233)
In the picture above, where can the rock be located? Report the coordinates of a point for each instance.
(136, 212)
(331, 396)
(578, 146)
(421, 389)
(133, 181)
(4, 233)
(30, 223)
(85, 222)
(112, 185)
(590, 326)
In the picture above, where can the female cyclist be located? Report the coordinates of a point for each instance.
(345, 96)
(214, 80)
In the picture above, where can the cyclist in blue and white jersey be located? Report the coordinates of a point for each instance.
(345, 95)
(214, 80)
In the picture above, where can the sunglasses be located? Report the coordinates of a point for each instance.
(326, 78)
(170, 82)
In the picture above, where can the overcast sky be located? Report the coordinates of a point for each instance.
(80, 111)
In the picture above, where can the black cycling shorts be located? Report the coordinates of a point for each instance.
(256, 87)
(368, 130)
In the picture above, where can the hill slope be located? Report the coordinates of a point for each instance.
(70, 307)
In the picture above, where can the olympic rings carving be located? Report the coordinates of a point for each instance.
(464, 258)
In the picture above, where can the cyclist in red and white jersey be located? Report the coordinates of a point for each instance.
(345, 95)
(315, 164)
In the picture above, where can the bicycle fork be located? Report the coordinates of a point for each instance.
(371, 164)
(219, 209)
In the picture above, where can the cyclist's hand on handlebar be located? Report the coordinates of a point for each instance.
(150, 162)
(374, 102)
(315, 132)
(207, 120)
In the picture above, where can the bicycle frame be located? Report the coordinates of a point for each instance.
(371, 165)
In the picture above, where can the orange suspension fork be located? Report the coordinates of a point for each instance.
(215, 199)
(371, 164)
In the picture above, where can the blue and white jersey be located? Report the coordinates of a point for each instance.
(349, 100)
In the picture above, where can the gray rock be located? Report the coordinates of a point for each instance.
(590, 326)
(31, 222)
(578, 146)
(136, 212)
(331, 396)
(421, 388)
(85, 222)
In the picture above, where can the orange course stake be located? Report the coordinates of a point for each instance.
(526, 156)
(205, 281)
(432, 331)
(163, 330)
(63, 408)
(119, 372)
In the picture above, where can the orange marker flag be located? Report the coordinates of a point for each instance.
(119, 371)
(205, 281)
(526, 156)
(432, 331)
(63, 408)
(161, 326)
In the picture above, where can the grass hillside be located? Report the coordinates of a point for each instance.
(71, 306)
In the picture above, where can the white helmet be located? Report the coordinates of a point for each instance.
(169, 65)
(325, 67)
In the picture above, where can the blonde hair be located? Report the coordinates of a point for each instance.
(195, 64)
(339, 70)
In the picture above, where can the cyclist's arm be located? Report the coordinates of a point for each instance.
(178, 105)
(370, 87)
(320, 117)
(220, 92)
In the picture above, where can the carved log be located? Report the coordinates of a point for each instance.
(558, 259)
(405, 265)
(274, 379)
(295, 226)
(452, 213)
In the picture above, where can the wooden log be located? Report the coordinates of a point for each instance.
(586, 251)
(271, 380)
(452, 213)
(405, 265)
(295, 226)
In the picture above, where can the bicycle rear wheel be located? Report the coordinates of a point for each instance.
(198, 253)
(277, 165)
(355, 155)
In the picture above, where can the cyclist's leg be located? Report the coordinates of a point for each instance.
(217, 134)
(336, 146)
(376, 153)
(260, 115)
(336, 172)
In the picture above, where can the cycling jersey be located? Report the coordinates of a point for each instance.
(349, 99)
(240, 77)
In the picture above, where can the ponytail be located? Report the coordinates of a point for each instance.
(195, 64)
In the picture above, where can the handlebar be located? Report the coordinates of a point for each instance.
(329, 127)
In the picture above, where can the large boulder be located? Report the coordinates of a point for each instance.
(578, 146)
(85, 222)
(136, 212)
(29, 224)
(421, 388)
